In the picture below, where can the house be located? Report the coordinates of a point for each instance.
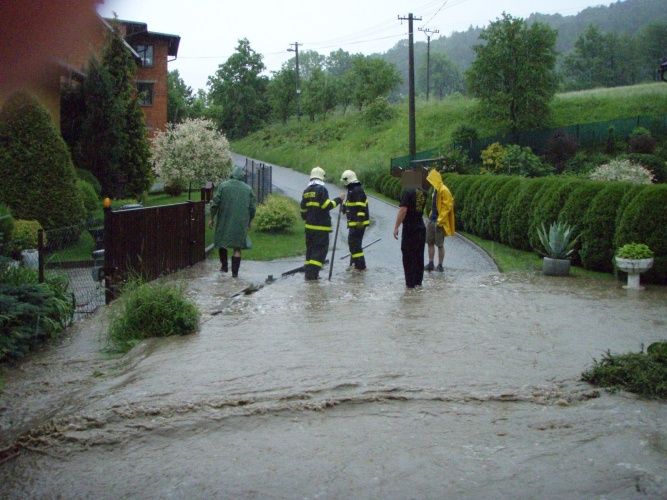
(44, 46)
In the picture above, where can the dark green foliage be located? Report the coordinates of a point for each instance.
(378, 112)
(655, 164)
(498, 206)
(472, 199)
(485, 210)
(91, 201)
(519, 160)
(38, 178)
(276, 215)
(559, 149)
(137, 155)
(455, 160)
(174, 187)
(641, 141)
(644, 220)
(642, 373)
(460, 193)
(239, 88)
(30, 312)
(629, 195)
(6, 227)
(464, 137)
(547, 208)
(87, 175)
(151, 310)
(598, 227)
(516, 220)
(513, 74)
(583, 162)
(575, 209)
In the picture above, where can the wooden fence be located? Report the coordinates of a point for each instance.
(152, 242)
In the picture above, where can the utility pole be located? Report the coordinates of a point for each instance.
(411, 82)
(298, 87)
(428, 32)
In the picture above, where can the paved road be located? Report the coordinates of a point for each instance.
(461, 254)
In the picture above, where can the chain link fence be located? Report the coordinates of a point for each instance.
(259, 176)
(71, 252)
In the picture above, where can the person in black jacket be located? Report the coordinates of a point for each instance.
(356, 210)
(315, 207)
(413, 239)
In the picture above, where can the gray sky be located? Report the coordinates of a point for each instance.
(210, 29)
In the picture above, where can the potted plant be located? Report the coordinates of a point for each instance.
(557, 247)
(634, 259)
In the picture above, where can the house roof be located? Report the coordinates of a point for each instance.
(134, 28)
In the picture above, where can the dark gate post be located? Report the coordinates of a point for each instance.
(40, 254)
(108, 281)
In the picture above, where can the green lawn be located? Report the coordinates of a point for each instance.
(343, 141)
(511, 260)
(270, 246)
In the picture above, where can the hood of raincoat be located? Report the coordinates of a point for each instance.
(445, 203)
(238, 173)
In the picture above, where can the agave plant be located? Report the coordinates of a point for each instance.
(559, 242)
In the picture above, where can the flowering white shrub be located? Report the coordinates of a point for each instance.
(623, 171)
(192, 151)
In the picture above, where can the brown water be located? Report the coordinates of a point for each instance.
(355, 388)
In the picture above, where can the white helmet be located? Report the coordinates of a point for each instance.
(317, 173)
(348, 177)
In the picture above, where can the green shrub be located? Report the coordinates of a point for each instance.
(90, 200)
(598, 228)
(276, 215)
(641, 141)
(464, 137)
(88, 176)
(559, 149)
(583, 162)
(25, 235)
(575, 209)
(635, 251)
(6, 227)
(455, 160)
(622, 170)
(378, 112)
(642, 373)
(472, 199)
(630, 194)
(492, 158)
(151, 310)
(516, 221)
(656, 165)
(499, 204)
(30, 312)
(522, 161)
(547, 209)
(645, 219)
(558, 242)
(460, 191)
(174, 187)
(482, 216)
(38, 178)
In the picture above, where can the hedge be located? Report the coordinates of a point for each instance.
(472, 199)
(575, 209)
(598, 227)
(644, 220)
(548, 208)
(507, 191)
(516, 219)
(485, 220)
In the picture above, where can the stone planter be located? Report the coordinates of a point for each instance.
(555, 267)
(30, 258)
(634, 267)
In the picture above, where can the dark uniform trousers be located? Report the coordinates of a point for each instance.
(355, 238)
(317, 246)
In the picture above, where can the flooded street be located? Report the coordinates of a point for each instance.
(354, 388)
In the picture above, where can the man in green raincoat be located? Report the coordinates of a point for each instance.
(232, 211)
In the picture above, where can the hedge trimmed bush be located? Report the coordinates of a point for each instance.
(472, 199)
(516, 218)
(38, 178)
(598, 228)
(484, 214)
(91, 201)
(24, 235)
(276, 215)
(548, 208)
(644, 220)
(88, 176)
(575, 209)
(460, 192)
(498, 206)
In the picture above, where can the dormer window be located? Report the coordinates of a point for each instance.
(146, 54)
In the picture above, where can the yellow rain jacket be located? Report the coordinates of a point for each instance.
(445, 203)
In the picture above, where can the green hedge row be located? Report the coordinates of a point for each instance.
(606, 215)
(382, 183)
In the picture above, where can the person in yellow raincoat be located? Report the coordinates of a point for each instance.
(441, 220)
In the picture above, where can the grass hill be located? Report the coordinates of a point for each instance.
(346, 141)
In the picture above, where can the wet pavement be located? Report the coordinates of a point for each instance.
(354, 388)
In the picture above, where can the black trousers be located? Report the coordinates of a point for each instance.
(412, 248)
(317, 246)
(355, 238)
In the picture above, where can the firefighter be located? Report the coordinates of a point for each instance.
(356, 211)
(315, 207)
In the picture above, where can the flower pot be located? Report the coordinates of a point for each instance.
(634, 267)
(555, 267)
(30, 258)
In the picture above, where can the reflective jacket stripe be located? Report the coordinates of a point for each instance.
(312, 204)
(356, 203)
(318, 228)
(327, 203)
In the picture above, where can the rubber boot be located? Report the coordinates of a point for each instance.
(222, 252)
(236, 263)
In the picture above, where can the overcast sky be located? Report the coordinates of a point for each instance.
(210, 29)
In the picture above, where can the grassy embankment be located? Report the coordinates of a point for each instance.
(345, 141)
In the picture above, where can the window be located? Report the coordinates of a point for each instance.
(145, 93)
(146, 54)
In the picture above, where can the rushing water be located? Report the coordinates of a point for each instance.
(349, 388)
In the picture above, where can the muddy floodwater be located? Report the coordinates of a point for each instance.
(357, 388)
